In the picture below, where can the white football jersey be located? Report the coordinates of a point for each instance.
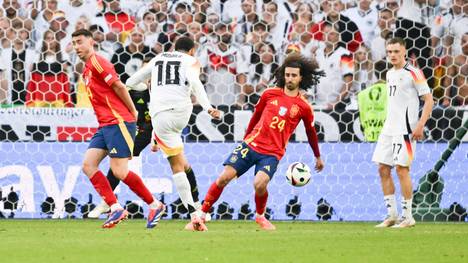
(404, 87)
(174, 77)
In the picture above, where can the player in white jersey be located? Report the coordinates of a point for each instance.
(397, 141)
(174, 77)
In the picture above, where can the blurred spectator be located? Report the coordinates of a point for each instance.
(59, 25)
(200, 10)
(337, 62)
(349, 33)
(455, 28)
(421, 11)
(365, 18)
(76, 9)
(225, 69)
(446, 22)
(278, 32)
(116, 22)
(363, 73)
(195, 32)
(182, 17)
(455, 83)
(49, 84)
(287, 10)
(228, 10)
(17, 61)
(261, 72)
(42, 22)
(157, 40)
(387, 23)
(101, 46)
(245, 23)
(128, 60)
(3, 84)
(12, 10)
(417, 37)
(209, 27)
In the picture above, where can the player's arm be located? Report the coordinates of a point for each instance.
(121, 90)
(138, 79)
(312, 138)
(425, 93)
(193, 77)
(257, 113)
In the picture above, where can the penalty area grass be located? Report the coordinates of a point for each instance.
(229, 241)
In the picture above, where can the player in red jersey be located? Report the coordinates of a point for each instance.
(276, 116)
(116, 115)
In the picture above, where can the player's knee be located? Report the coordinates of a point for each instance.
(88, 168)
(402, 171)
(260, 186)
(384, 170)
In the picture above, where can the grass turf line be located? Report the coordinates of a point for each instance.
(229, 241)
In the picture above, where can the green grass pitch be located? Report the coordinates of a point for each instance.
(229, 241)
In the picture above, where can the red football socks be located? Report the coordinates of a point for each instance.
(135, 184)
(102, 186)
(211, 197)
(260, 203)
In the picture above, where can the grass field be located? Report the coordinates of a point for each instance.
(229, 241)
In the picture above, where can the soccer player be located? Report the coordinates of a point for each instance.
(115, 137)
(276, 116)
(143, 139)
(397, 141)
(174, 77)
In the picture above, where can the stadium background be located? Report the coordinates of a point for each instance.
(46, 119)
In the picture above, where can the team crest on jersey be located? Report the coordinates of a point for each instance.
(233, 159)
(282, 111)
(294, 111)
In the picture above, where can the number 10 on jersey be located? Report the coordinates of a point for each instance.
(168, 72)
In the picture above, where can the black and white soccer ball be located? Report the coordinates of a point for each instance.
(298, 174)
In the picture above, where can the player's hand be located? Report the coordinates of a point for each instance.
(418, 133)
(214, 113)
(319, 164)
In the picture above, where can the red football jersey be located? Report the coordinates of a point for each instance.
(99, 75)
(275, 118)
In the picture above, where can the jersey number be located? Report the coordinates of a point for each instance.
(392, 90)
(171, 72)
(397, 147)
(276, 123)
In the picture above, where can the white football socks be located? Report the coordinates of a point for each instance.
(406, 207)
(183, 187)
(390, 203)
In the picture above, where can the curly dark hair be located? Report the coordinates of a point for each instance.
(309, 70)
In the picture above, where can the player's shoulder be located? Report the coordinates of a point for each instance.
(271, 91)
(99, 62)
(415, 73)
(304, 103)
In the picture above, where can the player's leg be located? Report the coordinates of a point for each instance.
(120, 141)
(404, 155)
(142, 139)
(383, 156)
(265, 168)
(237, 163)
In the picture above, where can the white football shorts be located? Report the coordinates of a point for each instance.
(394, 150)
(167, 130)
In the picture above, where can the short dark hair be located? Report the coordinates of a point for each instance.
(82, 32)
(396, 40)
(93, 28)
(184, 44)
(308, 70)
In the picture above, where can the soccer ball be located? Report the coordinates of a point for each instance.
(298, 174)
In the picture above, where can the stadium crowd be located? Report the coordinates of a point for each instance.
(240, 44)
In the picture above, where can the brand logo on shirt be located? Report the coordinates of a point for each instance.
(282, 111)
(294, 111)
(275, 102)
(113, 151)
(266, 168)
